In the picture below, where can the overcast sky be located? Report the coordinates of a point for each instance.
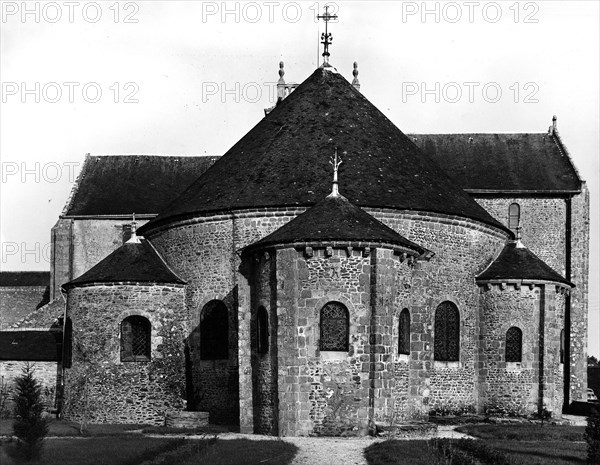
(191, 78)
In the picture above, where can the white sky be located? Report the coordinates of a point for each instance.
(201, 80)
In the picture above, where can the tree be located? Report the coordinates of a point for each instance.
(30, 427)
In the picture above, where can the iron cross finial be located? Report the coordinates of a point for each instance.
(326, 37)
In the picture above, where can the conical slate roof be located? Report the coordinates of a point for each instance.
(518, 262)
(335, 219)
(284, 159)
(135, 261)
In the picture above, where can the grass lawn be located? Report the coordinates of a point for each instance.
(137, 449)
(108, 450)
(401, 453)
(534, 444)
(525, 432)
(70, 428)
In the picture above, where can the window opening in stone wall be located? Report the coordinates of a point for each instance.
(334, 327)
(404, 332)
(135, 339)
(446, 333)
(562, 346)
(214, 331)
(514, 216)
(514, 344)
(262, 331)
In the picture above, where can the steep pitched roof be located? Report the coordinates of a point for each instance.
(335, 219)
(24, 278)
(281, 161)
(126, 184)
(503, 162)
(132, 262)
(518, 262)
(33, 346)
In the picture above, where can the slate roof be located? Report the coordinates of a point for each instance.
(284, 161)
(518, 262)
(34, 346)
(503, 162)
(335, 219)
(126, 184)
(132, 262)
(24, 278)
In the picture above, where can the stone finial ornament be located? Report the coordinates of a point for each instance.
(335, 162)
(355, 81)
(134, 239)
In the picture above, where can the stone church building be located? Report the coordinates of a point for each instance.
(438, 273)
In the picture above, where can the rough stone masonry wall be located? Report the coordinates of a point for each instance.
(17, 302)
(264, 365)
(125, 392)
(580, 243)
(463, 249)
(406, 406)
(203, 252)
(543, 223)
(509, 388)
(322, 393)
(45, 372)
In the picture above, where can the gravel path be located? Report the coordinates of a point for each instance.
(335, 451)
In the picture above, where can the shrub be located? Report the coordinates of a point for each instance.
(592, 437)
(30, 427)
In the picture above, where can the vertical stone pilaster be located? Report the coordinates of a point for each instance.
(291, 410)
(244, 356)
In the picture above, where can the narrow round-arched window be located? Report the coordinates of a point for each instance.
(262, 331)
(135, 339)
(214, 331)
(514, 344)
(514, 216)
(447, 333)
(335, 327)
(404, 332)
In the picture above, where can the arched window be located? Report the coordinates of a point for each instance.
(135, 339)
(214, 331)
(514, 216)
(562, 346)
(446, 333)
(262, 331)
(514, 344)
(404, 332)
(335, 327)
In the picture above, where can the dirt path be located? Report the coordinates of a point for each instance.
(336, 451)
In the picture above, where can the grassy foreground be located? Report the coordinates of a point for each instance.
(498, 444)
(135, 450)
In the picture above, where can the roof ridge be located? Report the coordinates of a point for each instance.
(563, 150)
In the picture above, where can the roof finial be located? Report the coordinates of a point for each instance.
(519, 244)
(554, 127)
(326, 37)
(335, 162)
(281, 83)
(133, 239)
(355, 82)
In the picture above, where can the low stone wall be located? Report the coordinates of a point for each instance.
(186, 419)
